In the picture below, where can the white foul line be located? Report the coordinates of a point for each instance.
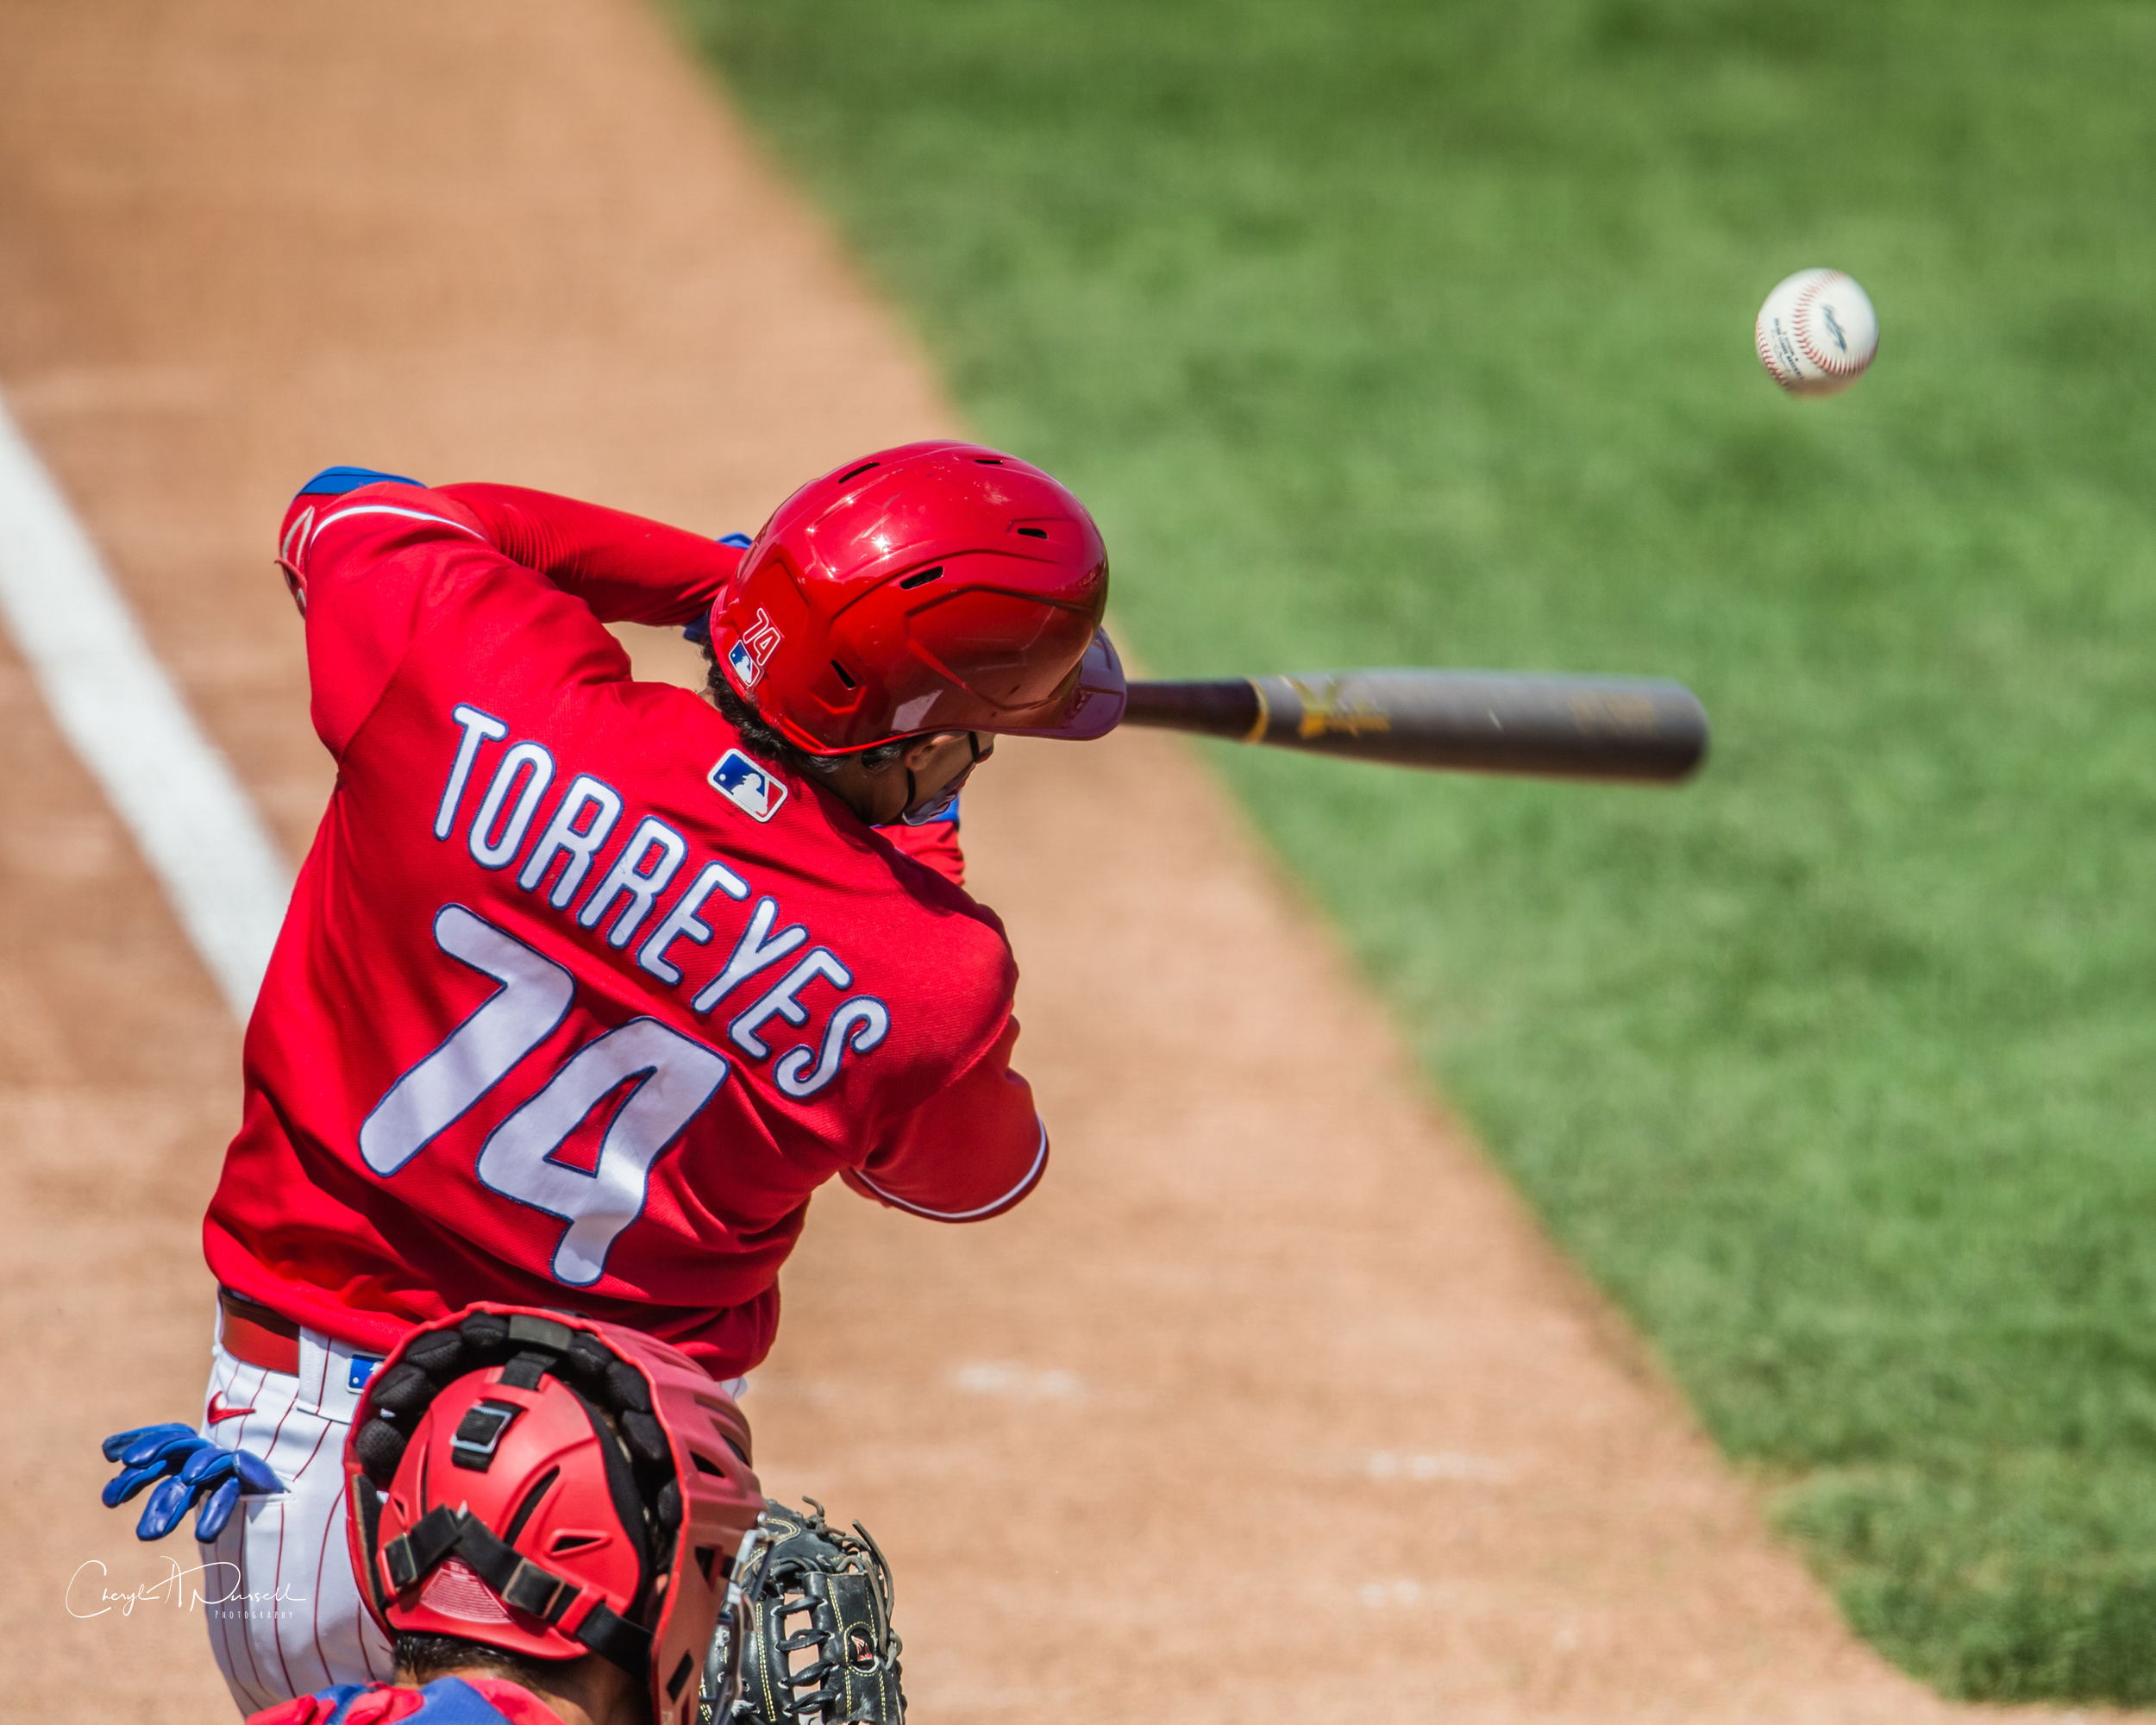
(176, 791)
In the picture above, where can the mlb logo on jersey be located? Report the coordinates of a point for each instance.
(747, 785)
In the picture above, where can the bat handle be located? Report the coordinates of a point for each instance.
(1230, 707)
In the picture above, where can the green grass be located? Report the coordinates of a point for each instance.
(1417, 333)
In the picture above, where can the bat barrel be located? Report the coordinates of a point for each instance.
(1640, 730)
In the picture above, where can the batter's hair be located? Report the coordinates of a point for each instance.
(762, 740)
(424, 1657)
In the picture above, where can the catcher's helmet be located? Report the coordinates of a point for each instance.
(936, 586)
(553, 1486)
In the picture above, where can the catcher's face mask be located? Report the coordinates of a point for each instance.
(554, 1487)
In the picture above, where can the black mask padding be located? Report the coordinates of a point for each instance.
(647, 1439)
(629, 1504)
(440, 1354)
(626, 1388)
(379, 1447)
(404, 1390)
(484, 1333)
(585, 1364)
(370, 1504)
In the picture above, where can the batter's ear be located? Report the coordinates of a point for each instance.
(291, 549)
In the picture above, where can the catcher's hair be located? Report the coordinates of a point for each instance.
(763, 741)
(424, 1657)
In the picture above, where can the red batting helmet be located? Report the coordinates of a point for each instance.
(936, 587)
(554, 1486)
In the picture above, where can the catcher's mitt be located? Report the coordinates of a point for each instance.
(813, 1621)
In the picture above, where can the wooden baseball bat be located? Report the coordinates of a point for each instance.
(1640, 730)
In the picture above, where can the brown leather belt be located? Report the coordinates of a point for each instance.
(254, 1335)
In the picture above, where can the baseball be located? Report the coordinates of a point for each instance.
(1817, 332)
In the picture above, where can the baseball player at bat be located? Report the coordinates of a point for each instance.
(587, 983)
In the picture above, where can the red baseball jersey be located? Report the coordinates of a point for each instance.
(577, 1001)
(472, 1700)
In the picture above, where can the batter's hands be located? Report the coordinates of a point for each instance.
(193, 1469)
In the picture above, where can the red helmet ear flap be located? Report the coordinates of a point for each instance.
(1098, 693)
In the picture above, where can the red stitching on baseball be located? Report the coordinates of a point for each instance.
(1800, 319)
(1766, 351)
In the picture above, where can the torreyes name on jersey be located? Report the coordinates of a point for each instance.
(562, 860)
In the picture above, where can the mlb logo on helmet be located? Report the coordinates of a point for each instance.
(749, 654)
(747, 785)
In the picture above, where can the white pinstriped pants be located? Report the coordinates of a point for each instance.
(293, 1623)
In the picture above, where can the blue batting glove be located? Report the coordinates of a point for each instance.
(146, 1453)
(217, 1479)
(199, 1472)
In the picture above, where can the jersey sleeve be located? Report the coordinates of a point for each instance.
(972, 1150)
(375, 560)
(627, 568)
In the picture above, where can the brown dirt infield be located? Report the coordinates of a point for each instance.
(1273, 1401)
